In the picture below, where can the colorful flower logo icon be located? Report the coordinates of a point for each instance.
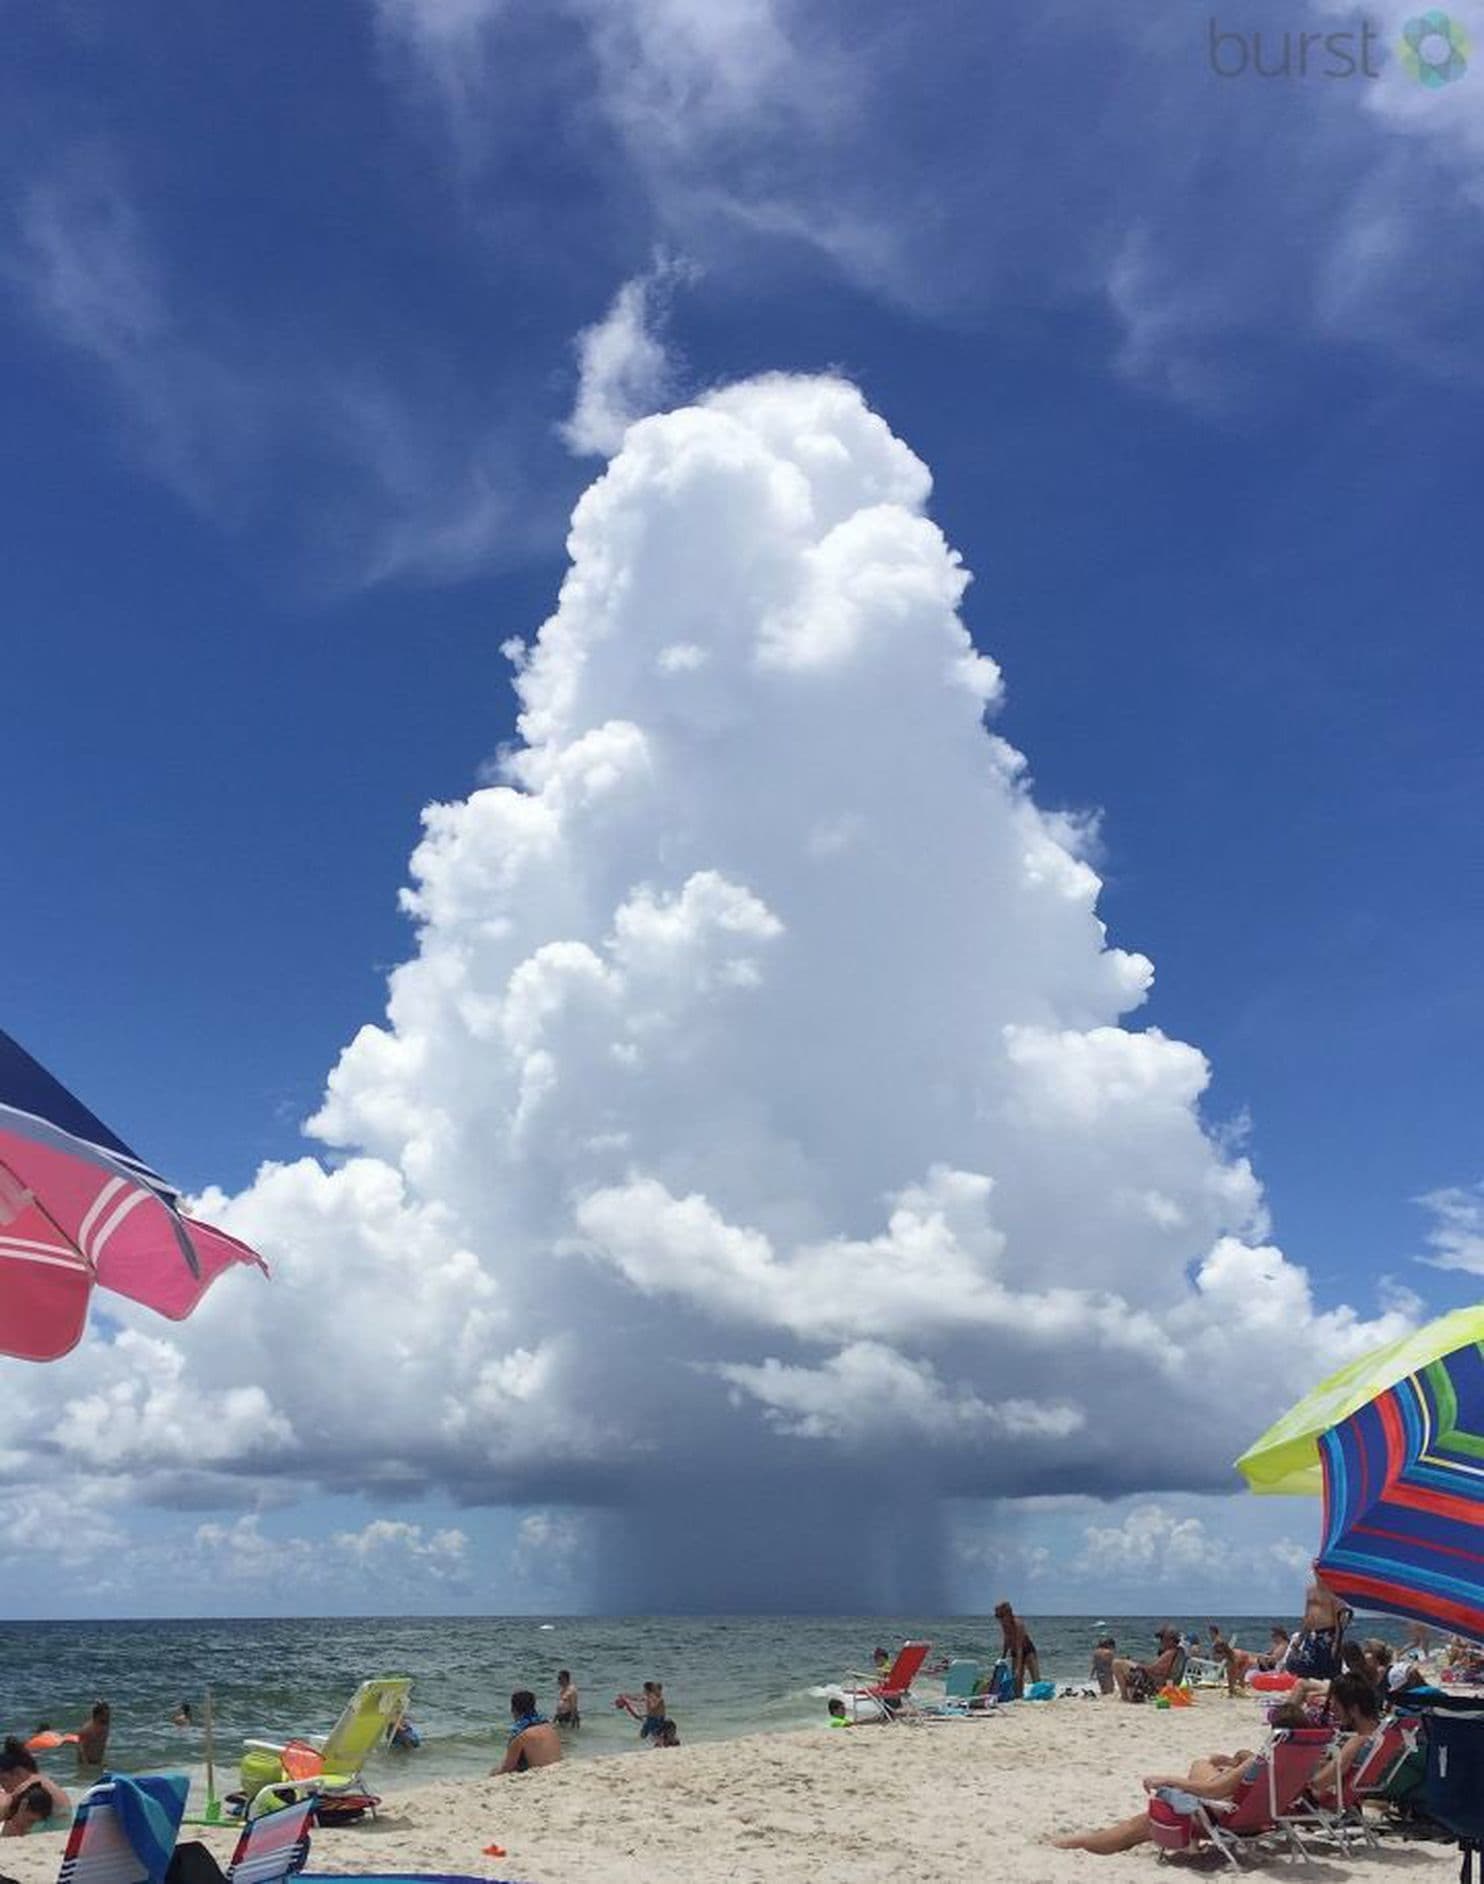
(1434, 49)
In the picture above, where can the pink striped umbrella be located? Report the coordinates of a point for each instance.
(78, 1208)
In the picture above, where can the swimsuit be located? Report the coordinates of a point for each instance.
(1312, 1655)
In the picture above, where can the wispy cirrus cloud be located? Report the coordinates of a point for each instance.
(388, 487)
(1203, 217)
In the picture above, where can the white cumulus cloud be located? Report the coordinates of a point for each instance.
(624, 370)
(698, 1156)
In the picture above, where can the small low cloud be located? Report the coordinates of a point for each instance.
(624, 368)
(383, 1555)
(1456, 1239)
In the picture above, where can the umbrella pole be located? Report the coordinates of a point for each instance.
(213, 1804)
(35, 1202)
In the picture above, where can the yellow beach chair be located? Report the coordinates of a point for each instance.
(331, 1763)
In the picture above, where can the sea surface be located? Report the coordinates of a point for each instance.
(270, 1678)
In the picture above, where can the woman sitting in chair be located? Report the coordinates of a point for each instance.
(1218, 1776)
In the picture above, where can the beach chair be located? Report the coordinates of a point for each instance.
(961, 1681)
(1343, 1811)
(273, 1846)
(892, 1692)
(99, 1847)
(962, 1699)
(1267, 1811)
(332, 1763)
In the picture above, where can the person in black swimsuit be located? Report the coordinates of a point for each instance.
(1017, 1648)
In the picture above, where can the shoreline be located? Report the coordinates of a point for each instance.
(941, 1801)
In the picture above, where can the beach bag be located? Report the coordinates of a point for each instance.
(1041, 1691)
(1454, 1786)
(1002, 1681)
(192, 1863)
(1405, 1781)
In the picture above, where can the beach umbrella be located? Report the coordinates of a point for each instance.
(77, 1207)
(1286, 1458)
(1404, 1497)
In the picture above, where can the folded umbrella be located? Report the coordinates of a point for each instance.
(78, 1207)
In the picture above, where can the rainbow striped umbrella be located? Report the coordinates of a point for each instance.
(1404, 1497)
(1286, 1458)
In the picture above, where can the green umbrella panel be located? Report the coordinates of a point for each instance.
(1286, 1458)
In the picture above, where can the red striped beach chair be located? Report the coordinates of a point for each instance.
(274, 1846)
(98, 1849)
(1267, 1810)
(892, 1692)
(1344, 1809)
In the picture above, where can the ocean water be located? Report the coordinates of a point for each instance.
(723, 1675)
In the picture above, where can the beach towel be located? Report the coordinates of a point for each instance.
(149, 1811)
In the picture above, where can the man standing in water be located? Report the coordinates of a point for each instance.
(92, 1737)
(1017, 1648)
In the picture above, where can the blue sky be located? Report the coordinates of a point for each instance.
(294, 297)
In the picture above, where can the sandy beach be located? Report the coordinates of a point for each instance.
(944, 1802)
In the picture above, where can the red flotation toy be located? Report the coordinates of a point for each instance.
(1272, 1681)
(47, 1738)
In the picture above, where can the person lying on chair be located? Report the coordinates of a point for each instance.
(1218, 1776)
